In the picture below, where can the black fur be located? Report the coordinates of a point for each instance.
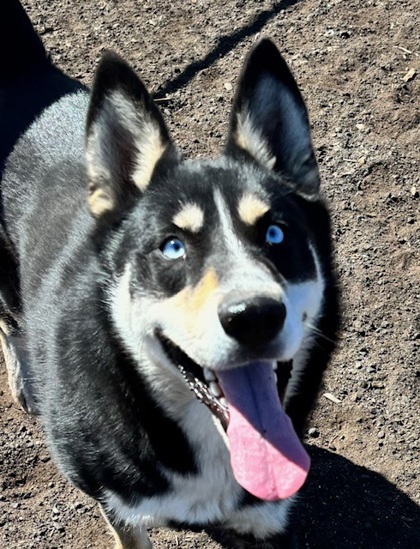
(106, 429)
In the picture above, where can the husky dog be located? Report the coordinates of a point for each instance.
(168, 320)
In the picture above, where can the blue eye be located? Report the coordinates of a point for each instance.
(173, 248)
(274, 235)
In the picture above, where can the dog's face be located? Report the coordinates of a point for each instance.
(215, 274)
(223, 270)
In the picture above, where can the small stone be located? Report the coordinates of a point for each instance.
(362, 160)
(409, 75)
(313, 432)
(228, 86)
(414, 192)
(360, 127)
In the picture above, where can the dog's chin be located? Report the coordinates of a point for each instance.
(203, 382)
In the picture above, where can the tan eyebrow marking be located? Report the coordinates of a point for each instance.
(189, 218)
(251, 208)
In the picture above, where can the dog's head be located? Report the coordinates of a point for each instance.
(215, 272)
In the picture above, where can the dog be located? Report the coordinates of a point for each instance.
(169, 320)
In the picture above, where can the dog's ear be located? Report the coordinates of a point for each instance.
(126, 138)
(269, 119)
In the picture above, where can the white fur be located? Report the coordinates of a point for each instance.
(212, 494)
(303, 299)
(203, 337)
(247, 276)
(313, 308)
(205, 502)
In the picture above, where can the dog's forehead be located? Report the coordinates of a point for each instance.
(195, 192)
(225, 174)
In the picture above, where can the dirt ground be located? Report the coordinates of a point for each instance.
(358, 63)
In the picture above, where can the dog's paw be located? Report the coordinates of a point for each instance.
(21, 394)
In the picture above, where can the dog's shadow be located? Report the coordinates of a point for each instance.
(347, 506)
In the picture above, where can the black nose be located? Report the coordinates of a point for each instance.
(253, 321)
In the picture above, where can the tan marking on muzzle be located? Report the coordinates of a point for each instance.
(188, 305)
(206, 288)
(192, 300)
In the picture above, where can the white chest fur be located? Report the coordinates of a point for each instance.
(210, 496)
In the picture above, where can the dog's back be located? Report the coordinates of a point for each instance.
(42, 115)
(28, 80)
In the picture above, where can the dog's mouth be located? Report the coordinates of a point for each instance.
(267, 458)
(202, 381)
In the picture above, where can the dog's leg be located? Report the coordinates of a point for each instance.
(128, 537)
(131, 538)
(15, 356)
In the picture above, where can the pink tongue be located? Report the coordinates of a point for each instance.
(267, 458)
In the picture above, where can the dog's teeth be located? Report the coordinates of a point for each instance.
(224, 402)
(215, 389)
(275, 376)
(274, 365)
(209, 375)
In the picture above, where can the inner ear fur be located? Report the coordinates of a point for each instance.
(126, 137)
(269, 119)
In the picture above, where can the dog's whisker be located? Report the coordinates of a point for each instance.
(319, 333)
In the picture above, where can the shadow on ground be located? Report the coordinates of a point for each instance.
(345, 506)
(348, 506)
(224, 45)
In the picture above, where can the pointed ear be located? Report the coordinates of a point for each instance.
(269, 119)
(126, 137)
